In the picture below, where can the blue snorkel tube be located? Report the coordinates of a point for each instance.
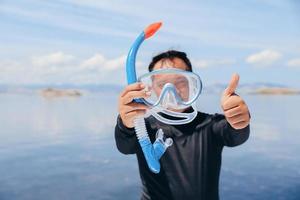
(152, 152)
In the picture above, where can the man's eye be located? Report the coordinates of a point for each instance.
(181, 83)
(161, 84)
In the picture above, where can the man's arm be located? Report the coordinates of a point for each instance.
(125, 138)
(233, 127)
(226, 134)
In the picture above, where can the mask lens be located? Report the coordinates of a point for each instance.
(186, 84)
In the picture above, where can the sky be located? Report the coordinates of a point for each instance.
(86, 41)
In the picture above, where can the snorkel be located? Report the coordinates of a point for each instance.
(152, 153)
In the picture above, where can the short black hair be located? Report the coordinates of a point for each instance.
(170, 55)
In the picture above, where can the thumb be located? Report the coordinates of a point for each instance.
(232, 85)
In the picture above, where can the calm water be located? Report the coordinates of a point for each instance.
(64, 149)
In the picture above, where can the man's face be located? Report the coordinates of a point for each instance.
(180, 82)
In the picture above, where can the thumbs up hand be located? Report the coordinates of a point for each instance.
(234, 107)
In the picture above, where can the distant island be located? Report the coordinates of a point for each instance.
(71, 90)
(276, 91)
(255, 89)
(52, 93)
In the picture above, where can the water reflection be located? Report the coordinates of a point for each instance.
(64, 149)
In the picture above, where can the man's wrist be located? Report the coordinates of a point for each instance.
(123, 128)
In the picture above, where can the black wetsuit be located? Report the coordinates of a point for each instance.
(190, 168)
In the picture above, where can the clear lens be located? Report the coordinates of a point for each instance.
(187, 84)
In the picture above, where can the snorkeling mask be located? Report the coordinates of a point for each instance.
(171, 90)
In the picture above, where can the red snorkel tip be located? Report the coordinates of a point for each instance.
(151, 29)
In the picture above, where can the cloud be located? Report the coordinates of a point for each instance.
(59, 67)
(99, 61)
(116, 63)
(203, 63)
(57, 58)
(294, 62)
(61, 20)
(264, 58)
(94, 61)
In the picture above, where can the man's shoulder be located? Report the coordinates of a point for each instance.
(210, 114)
(207, 118)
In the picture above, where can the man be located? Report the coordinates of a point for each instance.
(190, 168)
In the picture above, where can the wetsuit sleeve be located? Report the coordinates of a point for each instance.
(227, 135)
(125, 138)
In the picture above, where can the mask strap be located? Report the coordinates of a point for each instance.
(187, 117)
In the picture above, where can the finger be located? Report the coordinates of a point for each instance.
(240, 125)
(238, 118)
(135, 94)
(135, 113)
(134, 106)
(232, 102)
(233, 111)
(232, 85)
(132, 87)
